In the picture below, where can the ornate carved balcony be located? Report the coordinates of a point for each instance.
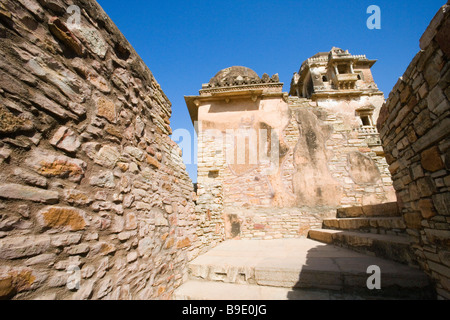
(346, 80)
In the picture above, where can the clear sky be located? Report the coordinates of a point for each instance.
(185, 42)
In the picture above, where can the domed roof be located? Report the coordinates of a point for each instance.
(236, 74)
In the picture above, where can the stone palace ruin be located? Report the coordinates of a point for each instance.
(96, 203)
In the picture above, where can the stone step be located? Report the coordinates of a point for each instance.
(213, 290)
(393, 247)
(389, 209)
(303, 264)
(377, 225)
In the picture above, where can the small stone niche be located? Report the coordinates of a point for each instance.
(213, 174)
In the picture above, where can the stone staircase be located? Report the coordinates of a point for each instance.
(376, 230)
(296, 269)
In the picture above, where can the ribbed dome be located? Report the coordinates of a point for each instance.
(235, 74)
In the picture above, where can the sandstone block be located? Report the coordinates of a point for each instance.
(105, 179)
(64, 218)
(93, 39)
(431, 159)
(20, 192)
(45, 258)
(441, 202)
(438, 237)
(435, 134)
(71, 262)
(134, 152)
(186, 242)
(132, 256)
(106, 109)
(413, 220)
(153, 162)
(130, 221)
(65, 139)
(60, 31)
(104, 288)
(31, 178)
(55, 165)
(159, 216)
(64, 240)
(85, 291)
(117, 224)
(10, 123)
(23, 246)
(78, 249)
(107, 156)
(76, 197)
(426, 186)
(426, 208)
(443, 37)
(16, 280)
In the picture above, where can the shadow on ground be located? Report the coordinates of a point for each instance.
(343, 275)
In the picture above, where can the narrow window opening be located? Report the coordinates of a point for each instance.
(343, 68)
(366, 121)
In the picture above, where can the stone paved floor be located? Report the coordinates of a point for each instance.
(268, 269)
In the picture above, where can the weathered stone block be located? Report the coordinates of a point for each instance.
(102, 248)
(23, 246)
(426, 186)
(105, 179)
(153, 162)
(20, 192)
(434, 135)
(60, 31)
(107, 156)
(78, 249)
(426, 208)
(31, 178)
(45, 258)
(431, 159)
(93, 40)
(10, 123)
(442, 203)
(55, 165)
(77, 197)
(443, 37)
(85, 291)
(134, 152)
(65, 139)
(19, 279)
(413, 220)
(130, 221)
(107, 109)
(64, 218)
(438, 237)
(64, 240)
(186, 242)
(435, 97)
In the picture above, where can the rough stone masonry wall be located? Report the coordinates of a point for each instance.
(325, 164)
(414, 125)
(209, 209)
(91, 185)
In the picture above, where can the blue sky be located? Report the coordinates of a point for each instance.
(185, 43)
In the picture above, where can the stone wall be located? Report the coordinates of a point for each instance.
(324, 160)
(91, 186)
(414, 126)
